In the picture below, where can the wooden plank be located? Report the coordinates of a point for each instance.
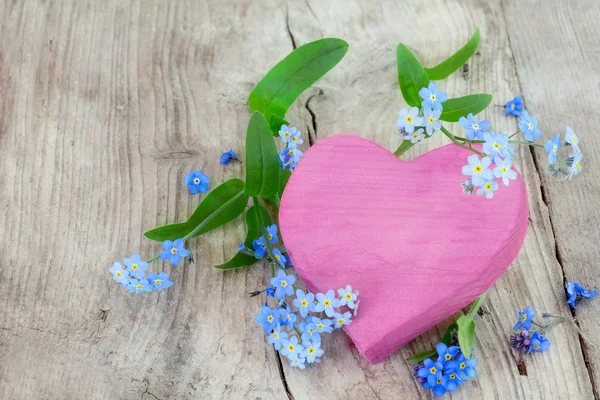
(559, 84)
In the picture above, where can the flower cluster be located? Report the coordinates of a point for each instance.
(576, 292)
(446, 374)
(523, 340)
(134, 277)
(294, 332)
(412, 123)
(290, 155)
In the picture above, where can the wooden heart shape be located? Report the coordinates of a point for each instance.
(402, 233)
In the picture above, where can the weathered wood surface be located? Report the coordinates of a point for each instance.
(106, 105)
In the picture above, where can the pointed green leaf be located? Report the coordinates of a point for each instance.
(448, 334)
(224, 203)
(254, 231)
(282, 85)
(457, 60)
(461, 106)
(262, 160)
(466, 331)
(411, 75)
(275, 122)
(422, 355)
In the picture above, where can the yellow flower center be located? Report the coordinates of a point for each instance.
(496, 145)
(311, 350)
(475, 127)
(134, 267)
(488, 186)
(269, 236)
(478, 168)
(283, 283)
(433, 97)
(409, 118)
(320, 326)
(431, 120)
(291, 152)
(504, 170)
(433, 370)
(119, 274)
(576, 165)
(463, 365)
(157, 281)
(512, 106)
(439, 381)
(294, 139)
(452, 376)
(139, 286)
(173, 250)
(348, 296)
(327, 303)
(536, 346)
(530, 126)
(340, 321)
(574, 141)
(448, 357)
(304, 303)
(270, 318)
(311, 331)
(286, 134)
(524, 318)
(415, 135)
(276, 335)
(291, 347)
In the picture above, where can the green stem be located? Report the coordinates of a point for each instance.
(550, 325)
(527, 143)
(462, 139)
(277, 200)
(514, 134)
(476, 305)
(456, 142)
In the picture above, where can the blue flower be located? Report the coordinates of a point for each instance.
(451, 381)
(320, 325)
(227, 156)
(280, 258)
(197, 182)
(473, 128)
(272, 234)
(576, 292)
(408, 119)
(438, 386)
(312, 351)
(446, 353)
(538, 342)
(277, 336)
(136, 267)
(160, 280)
(529, 126)
(139, 286)
(310, 334)
(295, 138)
(466, 368)
(260, 247)
(347, 297)
(283, 284)
(552, 146)
(268, 318)
(304, 302)
(296, 361)
(342, 319)
(119, 274)
(525, 318)
(270, 291)
(504, 170)
(488, 188)
(287, 132)
(575, 167)
(287, 316)
(478, 169)
(432, 98)
(572, 139)
(327, 302)
(514, 106)
(431, 118)
(290, 347)
(290, 156)
(415, 136)
(496, 144)
(173, 251)
(431, 372)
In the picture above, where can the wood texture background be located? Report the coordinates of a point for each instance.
(106, 105)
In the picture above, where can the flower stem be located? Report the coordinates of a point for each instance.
(458, 143)
(476, 305)
(527, 143)
(514, 134)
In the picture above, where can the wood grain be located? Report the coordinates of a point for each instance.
(105, 106)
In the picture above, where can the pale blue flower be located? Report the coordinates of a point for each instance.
(139, 286)
(296, 361)
(290, 347)
(272, 234)
(173, 251)
(283, 284)
(277, 336)
(415, 136)
(552, 146)
(504, 170)
(320, 325)
(312, 351)
(529, 126)
(342, 319)
(119, 274)
(268, 318)
(409, 119)
(432, 98)
(290, 156)
(575, 167)
(136, 267)
(280, 258)
(431, 119)
(573, 140)
(310, 334)
(295, 137)
(488, 188)
(287, 317)
(478, 169)
(160, 280)
(473, 128)
(304, 302)
(286, 132)
(327, 302)
(496, 144)
(347, 296)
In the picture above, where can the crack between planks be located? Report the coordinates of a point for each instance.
(282, 376)
(313, 116)
(546, 199)
(287, 27)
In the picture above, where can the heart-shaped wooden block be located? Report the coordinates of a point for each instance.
(403, 234)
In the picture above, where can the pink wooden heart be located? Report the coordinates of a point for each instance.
(402, 233)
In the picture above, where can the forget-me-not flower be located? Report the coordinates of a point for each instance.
(296, 361)
(283, 284)
(287, 317)
(573, 140)
(478, 169)
(575, 167)
(290, 156)
(160, 280)
(529, 126)
(525, 318)
(173, 251)
(272, 234)
(576, 292)
(552, 146)
(260, 247)
(119, 274)
(446, 353)
(286, 132)
(496, 144)
(514, 106)
(431, 371)
(473, 128)
(408, 120)
(488, 188)
(538, 342)
(280, 258)
(312, 351)
(431, 119)
(320, 325)
(290, 347)
(347, 297)
(342, 319)
(437, 388)
(304, 302)
(139, 286)
(327, 302)
(197, 182)
(415, 136)
(451, 381)
(268, 318)
(466, 367)
(432, 98)
(310, 334)
(504, 170)
(136, 267)
(277, 336)
(227, 156)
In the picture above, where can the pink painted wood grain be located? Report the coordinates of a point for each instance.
(402, 233)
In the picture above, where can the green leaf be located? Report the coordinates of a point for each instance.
(448, 334)
(411, 75)
(403, 148)
(275, 123)
(466, 331)
(262, 160)
(254, 231)
(422, 355)
(284, 177)
(457, 60)
(224, 203)
(282, 85)
(461, 106)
